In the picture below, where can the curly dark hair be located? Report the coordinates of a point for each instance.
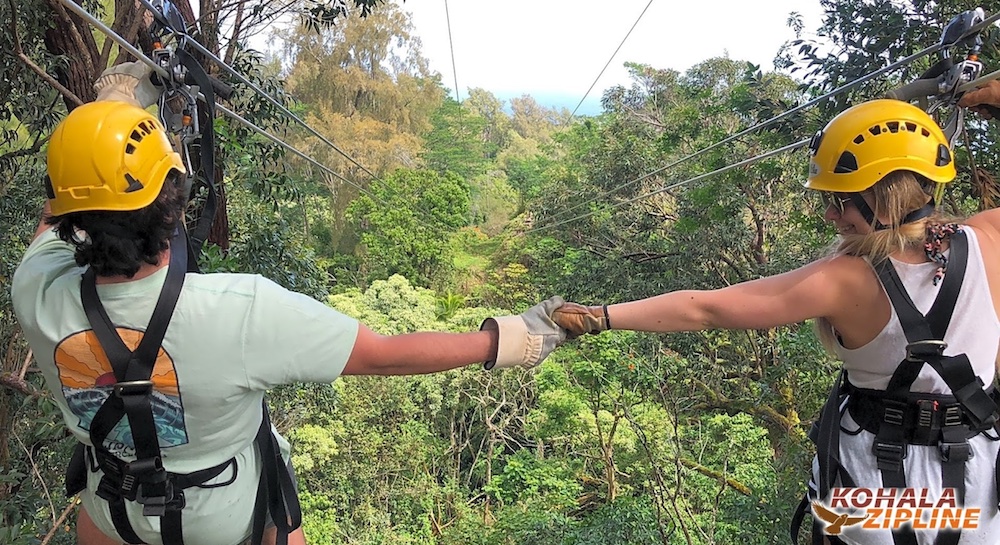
(118, 243)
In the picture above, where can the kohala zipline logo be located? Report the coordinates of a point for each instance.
(894, 508)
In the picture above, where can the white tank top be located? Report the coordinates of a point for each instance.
(974, 328)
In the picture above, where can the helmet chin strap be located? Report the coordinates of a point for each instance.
(866, 212)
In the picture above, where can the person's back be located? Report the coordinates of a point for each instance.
(231, 338)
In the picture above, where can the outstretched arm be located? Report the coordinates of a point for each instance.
(818, 289)
(418, 353)
(504, 341)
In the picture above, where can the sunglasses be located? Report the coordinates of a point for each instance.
(837, 201)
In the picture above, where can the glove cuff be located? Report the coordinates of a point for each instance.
(117, 88)
(512, 341)
(127, 87)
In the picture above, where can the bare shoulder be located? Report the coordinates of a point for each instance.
(987, 227)
(825, 284)
(988, 239)
(846, 270)
(862, 308)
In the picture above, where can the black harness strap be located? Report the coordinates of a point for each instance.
(207, 147)
(143, 480)
(925, 335)
(825, 434)
(276, 491)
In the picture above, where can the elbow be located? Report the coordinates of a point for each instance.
(370, 355)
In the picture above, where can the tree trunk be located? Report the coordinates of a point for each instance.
(71, 37)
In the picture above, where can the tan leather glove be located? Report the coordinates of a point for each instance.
(577, 319)
(980, 100)
(127, 82)
(527, 338)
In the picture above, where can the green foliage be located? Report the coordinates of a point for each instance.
(265, 242)
(319, 519)
(454, 143)
(510, 287)
(405, 225)
(617, 438)
(548, 483)
(448, 304)
(631, 520)
(390, 306)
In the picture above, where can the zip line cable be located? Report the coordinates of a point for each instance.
(629, 33)
(451, 45)
(287, 146)
(162, 72)
(97, 23)
(222, 64)
(767, 123)
(124, 44)
(745, 162)
(200, 48)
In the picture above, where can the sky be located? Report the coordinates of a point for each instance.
(554, 50)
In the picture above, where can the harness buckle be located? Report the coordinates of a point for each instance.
(890, 456)
(894, 413)
(953, 416)
(133, 387)
(107, 489)
(929, 347)
(157, 505)
(140, 473)
(955, 452)
(925, 413)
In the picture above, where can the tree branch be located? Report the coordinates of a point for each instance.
(19, 53)
(10, 381)
(711, 473)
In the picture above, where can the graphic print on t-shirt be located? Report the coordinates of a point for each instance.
(87, 380)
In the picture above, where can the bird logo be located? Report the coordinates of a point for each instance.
(835, 521)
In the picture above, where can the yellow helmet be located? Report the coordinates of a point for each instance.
(860, 146)
(108, 156)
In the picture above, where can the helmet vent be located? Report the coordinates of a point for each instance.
(129, 148)
(133, 184)
(893, 126)
(846, 164)
(912, 127)
(859, 139)
(875, 130)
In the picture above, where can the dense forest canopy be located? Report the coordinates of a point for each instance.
(432, 214)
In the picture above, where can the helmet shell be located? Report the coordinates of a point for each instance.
(108, 156)
(864, 143)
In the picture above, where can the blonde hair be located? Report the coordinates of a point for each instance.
(894, 196)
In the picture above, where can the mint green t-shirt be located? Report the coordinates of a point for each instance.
(231, 337)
